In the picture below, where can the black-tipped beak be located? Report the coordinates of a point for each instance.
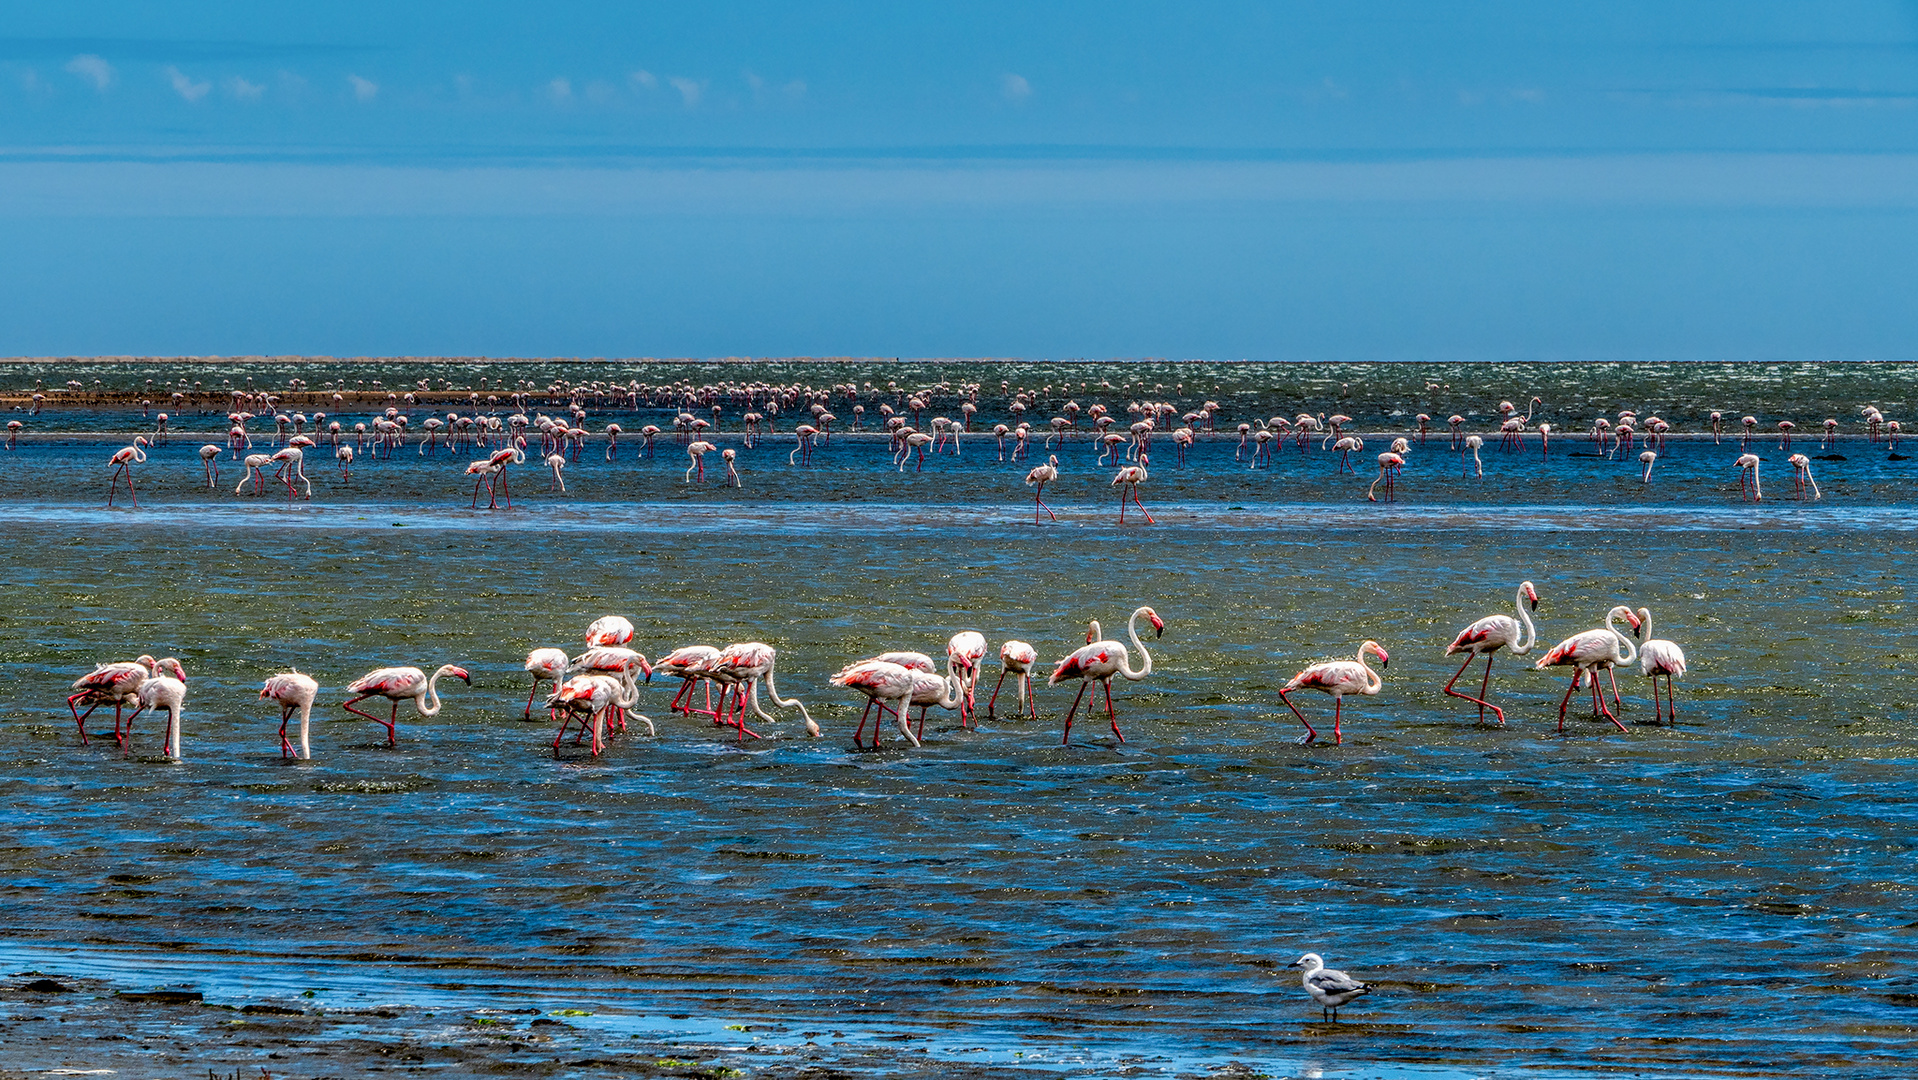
(1534, 603)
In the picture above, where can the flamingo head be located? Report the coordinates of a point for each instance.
(1531, 594)
(1377, 650)
(170, 666)
(461, 672)
(1158, 624)
(1623, 612)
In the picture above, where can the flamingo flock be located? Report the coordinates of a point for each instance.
(595, 693)
(700, 415)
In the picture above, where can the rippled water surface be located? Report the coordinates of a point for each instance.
(1733, 895)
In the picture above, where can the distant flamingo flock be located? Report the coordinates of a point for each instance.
(509, 428)
(594, 694)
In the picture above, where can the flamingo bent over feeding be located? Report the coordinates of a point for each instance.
(545, 665)
(1016, 658)
(292, 690)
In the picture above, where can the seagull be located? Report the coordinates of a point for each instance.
(1329, 988)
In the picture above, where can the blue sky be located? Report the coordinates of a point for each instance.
(1265, 180)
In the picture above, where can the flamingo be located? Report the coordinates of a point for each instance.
(292, 467)
(345, 455)
(114, 683)
(1486, 637)
(399, 684)
(1100, 661)
(1660, 657)
(730, 457)
(14, 427)
(929, 689)
(964, 653)
(1801, 476)
(162, 693)
(609, 630)
(1747, 464)
(1647, 459)
(597, 696)
(255, 471)
(881, 682)
(688, 664)
(1016, 658)
(123, 461)
(556, 462)
(292, 690)
(1037, 479)
(1129, 478)
(1389, 465)
(1589, 652)
(1472, 443)
(210, 457)
(496, 464)
(1338, 678)
(750, 662)
(544, 665)
(697, 451)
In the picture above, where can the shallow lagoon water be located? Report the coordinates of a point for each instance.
(1733, 895)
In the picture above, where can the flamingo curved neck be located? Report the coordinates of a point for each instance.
(432, 691)
(1132, 631)
(1645, 622)
(1374, 682)
(1530, 637)
(1630, 652)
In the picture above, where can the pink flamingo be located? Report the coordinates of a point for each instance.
(14, 427)
(1016, 658)
(293, 467)
(1801, 478)
(292, 690)
(688, 664)
(1100, 660)
(1747, 464)
(964, 653)
(881, 682)
(1660, 657)
(113, 684)
(345, 455)
(1037, 479)
(1129, 479)
(609, 630)
(750, 663)
(398, 684)
(1486, 637)
(1338, 678)
(593, 698)
(544, 665)
(697, 451)
(1588, 653)
(1647, 459)
(122, 462)
(210, 457)
(1389, 465)
(1472, 443)
(163, 692)
(556, 462)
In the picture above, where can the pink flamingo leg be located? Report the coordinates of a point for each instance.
(286, 714)
(1671, 701)
(1338, 707)
(1149, 520)
(1025, 680)
(1066, 740)
(995, 692)
(1482, 703)
(392, 736)
(1112, 718)
(1311, 732)
(1567, 700)
(1612, 675)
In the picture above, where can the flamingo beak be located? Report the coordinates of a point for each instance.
(1158, 627)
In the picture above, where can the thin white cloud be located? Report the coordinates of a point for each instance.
(795, 89)
(193, 92)
(32, 83)
(364, 90)
(1015, 87)
(559, 91)
(243, 90)
(643, 79)
(689, 89)
(93, 69)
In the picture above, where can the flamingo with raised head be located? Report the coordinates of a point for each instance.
(1338, 678)
(398, 684)
(1486, 637)
(544, 665)
(1016, 658)
(1128, 480)
(1590, 652)
(292, 690)
(1659, 657)
(123, 461)
(1037, 479)
(1099, 661)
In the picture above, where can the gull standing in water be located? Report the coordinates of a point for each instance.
(1331, 989)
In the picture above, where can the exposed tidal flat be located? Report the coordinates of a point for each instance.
(1729, 896)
